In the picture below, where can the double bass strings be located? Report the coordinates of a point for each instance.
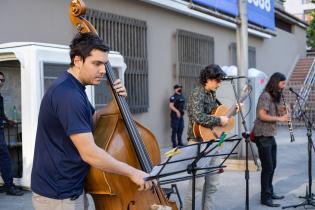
(133, 132)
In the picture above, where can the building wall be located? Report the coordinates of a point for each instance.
(35, 21)
(299, 9)
(281, 52)
(47, 21)
(294, 7)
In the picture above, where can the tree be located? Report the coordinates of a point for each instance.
(310, 32)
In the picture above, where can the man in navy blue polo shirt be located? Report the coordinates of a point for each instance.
(65, 146)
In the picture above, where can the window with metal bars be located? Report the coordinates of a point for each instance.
(251, 55)
(129, 37)
(194, 52)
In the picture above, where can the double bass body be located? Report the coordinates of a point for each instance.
(115, 192)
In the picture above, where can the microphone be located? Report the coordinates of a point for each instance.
(233, 77)
(298, 95)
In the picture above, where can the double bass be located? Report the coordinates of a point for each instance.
(124, 139)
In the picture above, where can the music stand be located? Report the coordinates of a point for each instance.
(245, 135)
(189, 163)
(309, 200)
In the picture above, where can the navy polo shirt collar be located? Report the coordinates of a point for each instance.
(77, 82)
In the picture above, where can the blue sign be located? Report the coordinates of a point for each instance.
(228, 6)
(260, 12)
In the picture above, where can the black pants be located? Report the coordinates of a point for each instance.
(267, 149)
(5, 161)
(177, 125)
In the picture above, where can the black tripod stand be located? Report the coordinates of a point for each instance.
(309, 200)
(191, 163)
(245, 135)
(192, 169)
(211, 169)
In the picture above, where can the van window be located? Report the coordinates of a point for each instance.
(51, 72)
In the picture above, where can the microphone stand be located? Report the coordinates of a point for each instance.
(245, 135)
(309, 200)
(298, 96)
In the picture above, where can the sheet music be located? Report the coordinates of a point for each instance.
(189, 153)
(186, 156)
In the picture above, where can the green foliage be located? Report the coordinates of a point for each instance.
(310, 32)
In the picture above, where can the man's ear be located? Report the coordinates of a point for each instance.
(78, 61)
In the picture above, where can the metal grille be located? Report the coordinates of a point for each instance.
(129, 37)
(308, 85)
(309, 105)
(103, 97)
(251, 55)
(194, 52)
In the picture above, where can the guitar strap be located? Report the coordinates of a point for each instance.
(213, 132)
(218, 102)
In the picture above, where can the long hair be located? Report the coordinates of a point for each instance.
(272, 86)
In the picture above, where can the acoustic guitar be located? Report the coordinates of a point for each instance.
(207, 134)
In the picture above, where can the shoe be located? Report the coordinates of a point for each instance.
(277, 197)
(270, 203)
(13, 190)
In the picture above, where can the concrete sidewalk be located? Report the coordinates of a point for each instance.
(290, 179)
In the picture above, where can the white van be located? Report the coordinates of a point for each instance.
(29, 69)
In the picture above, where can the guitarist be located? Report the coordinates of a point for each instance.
(201, 102)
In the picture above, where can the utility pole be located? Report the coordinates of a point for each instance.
(242, 60)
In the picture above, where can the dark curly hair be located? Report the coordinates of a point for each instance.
(83, 43)
(272, 86)
(212, 71)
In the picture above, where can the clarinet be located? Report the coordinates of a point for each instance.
(289, 120)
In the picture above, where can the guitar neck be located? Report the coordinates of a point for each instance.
(232, 111)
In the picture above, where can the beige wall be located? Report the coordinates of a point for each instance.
(280, 52)
(35, 21)
(47, 21)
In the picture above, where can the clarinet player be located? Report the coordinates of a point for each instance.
(265, 128)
